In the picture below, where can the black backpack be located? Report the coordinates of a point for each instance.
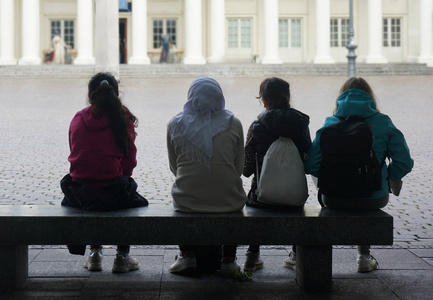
(349, 166)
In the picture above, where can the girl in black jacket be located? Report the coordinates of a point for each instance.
(279, 119)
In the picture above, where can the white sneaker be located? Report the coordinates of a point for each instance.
(290, 262)
(94, 260)
(253, 262)
(366, 263)
(125, 264)
(183, 263)
(229, 268)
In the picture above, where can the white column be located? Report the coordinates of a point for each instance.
(271, 56)
(84, 33)
(375, 33)
(217, 31)
(426, 32)
(323, 17)
(30, 33)
(7, 25)
(139, 33)
(193, 33)
(107, 36)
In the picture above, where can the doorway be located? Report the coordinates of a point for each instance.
(123, 51)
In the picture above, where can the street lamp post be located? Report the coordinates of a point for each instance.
(351, 57)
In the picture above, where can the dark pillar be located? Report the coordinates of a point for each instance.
(14, 266)
(314, 268)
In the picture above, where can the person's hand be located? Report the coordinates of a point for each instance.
(395, 187)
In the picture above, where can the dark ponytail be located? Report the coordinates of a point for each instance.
(104, 98)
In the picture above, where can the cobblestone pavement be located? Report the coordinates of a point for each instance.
(36, 115)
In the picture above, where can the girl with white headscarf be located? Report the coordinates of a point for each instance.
(206, 154)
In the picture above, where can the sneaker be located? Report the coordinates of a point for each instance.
(253, 262)
(366, 263)
(290, 262)
(94, 260)
(125, 264)
(229, 268)
(183, 263)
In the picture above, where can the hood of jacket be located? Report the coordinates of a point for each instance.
(355, 102)
(284, 122)
(92, 122)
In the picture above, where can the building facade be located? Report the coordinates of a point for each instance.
(220, 31)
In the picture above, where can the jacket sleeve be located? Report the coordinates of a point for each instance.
(306, 143)
(312, 164)
(250, 153)
(398, 151)
(76, 140)
(75, 124)
(70, 137)
(129, 162)
(240, 154)
(172, 158)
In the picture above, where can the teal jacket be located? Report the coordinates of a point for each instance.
(387, 138)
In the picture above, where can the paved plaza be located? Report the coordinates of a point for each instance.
(34, 149)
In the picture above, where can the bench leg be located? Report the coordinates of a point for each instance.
(314, 268)
(14, 266)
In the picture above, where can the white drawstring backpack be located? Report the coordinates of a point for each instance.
(282, 180)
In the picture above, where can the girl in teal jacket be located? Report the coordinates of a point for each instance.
(357, 99)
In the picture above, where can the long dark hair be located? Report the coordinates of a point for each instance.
(104, 99)
(275, 93)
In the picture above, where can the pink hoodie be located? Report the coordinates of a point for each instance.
(95, 157)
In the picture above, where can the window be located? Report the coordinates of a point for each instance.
(161, 28)
(339, 32)
(65, 29)
(239, 33)
(289, 32)
(233, 33)
(391, 32)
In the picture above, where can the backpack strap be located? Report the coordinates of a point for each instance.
(257, 170)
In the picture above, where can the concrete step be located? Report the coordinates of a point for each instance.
(216, 70)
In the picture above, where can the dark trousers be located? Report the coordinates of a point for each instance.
(256, 249)
(358, 204)
(228, 251)
(120, 248)
(122, 193)
(209, 258)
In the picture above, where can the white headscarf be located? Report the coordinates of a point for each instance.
(203, 116)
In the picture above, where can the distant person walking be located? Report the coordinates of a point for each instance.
(59, 50)
(121, 50)
(103, 155)
(165, 43)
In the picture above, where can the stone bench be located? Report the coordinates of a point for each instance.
(312, 229)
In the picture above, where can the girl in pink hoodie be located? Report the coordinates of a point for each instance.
(103, 155)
